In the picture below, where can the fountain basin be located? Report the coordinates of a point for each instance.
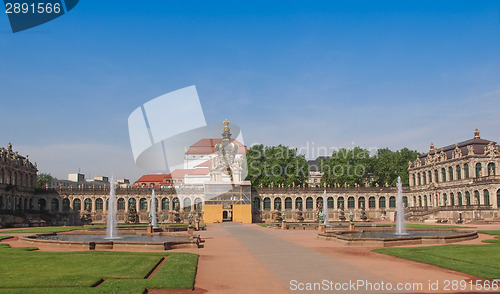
(387, 238)
(132, 240)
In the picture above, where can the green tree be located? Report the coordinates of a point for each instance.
(347, 167)
(43, 180)
(388, 165)
(276, 165)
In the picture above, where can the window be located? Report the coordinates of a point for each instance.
(277, 203)
(436, 175)
(361, 202)
(143, 204)
(267, 203)
(491, 169)
(309, 203)
(330, 202)
(371, 202)
(288, 203)
(120, 204)
(392, 202)
(65, 204)
(54, 205)
(298, 203)
(459, 172)
(420, 201)
(476, 196)
(430, 177)
(452, 199)
(467, 198)
(381, 202)
(460, 200)
(165, 204)
(350, 202)
(87, 204)
(405, 201)
(340, 203)
(414, 180)
(198, 204)
(99, 204)
(77, 204)
(445, 199)
(479, 170)
(256, 203)
(187, 204)
(425, 200)
(132, 205)
(486, 195)
(319, 201)
(450, 173)
(443, 174)
(466, 170)
(419, 179)
(498, 198)
(425, 178)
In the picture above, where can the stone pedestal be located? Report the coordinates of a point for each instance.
(197, 226)
(322, 228)
(150, 230)
(283, 225)
(163, 227)
(351, 227)
(190, 231)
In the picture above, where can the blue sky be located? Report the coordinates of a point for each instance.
(325, 73)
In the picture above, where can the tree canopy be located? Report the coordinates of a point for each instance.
(43, 180)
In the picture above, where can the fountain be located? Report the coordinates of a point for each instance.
(154, 221)
(111, 220)
(380, 235)
(400, 211)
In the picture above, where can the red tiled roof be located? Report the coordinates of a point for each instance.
(207, 146)
(152, 178)
(204, 164)
(180, 173)
(199, 171)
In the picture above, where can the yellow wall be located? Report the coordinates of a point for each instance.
(212, 213)
(242, 213)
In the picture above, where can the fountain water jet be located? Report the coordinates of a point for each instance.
(154, 221)
(111, 220)
(325, 209)
(400, 211)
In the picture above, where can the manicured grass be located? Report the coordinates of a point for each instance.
(425, 226)
(477, 260)
(263, 225)
(23, 270)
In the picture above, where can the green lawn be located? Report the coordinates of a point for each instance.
(23, 270)
(425, 226)
(477, 260)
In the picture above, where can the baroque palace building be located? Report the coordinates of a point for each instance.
(456, 182)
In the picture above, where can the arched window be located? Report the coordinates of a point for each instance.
(361, 202)
(460, 200)
(42, 204)
(340, 203)
(54, 205)
(330, 202)
(415, 201)
(466, 171)
(420, 201)
(120, 204)
(288, 203)
(87, 204)
(143, 204)
(309, 203)
(467, 198)
(77, 204)
(419, 179)
(350, 202)
(491, 169)
(277, 203)
(267, 203)
(298, 203)
(165, 204)
(459, 172)
(436, 175)
(392, 202)
(381, 202)
(450, 173)
(414, 180)
(256, 203)
(198, 204)
(498, 198)
(477, 197)
(187, 204)
(176, 204)
(319, 201)
(452, 199)
(65, 204)
(405, 201)
(430, 177)
(479, 170)
(425, 201)
(445, 199)
(132, 204)
(486, 196)
(371, 202)
(425, 178)
(443, 174)
(99, 204)
(1, 176)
